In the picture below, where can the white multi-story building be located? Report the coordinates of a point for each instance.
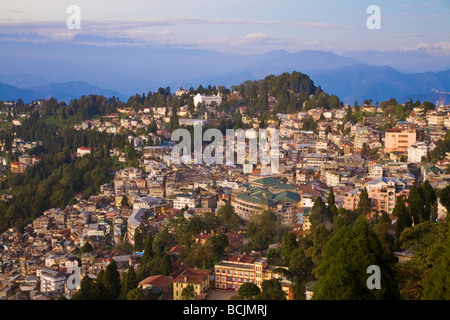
(332, 179)
(321, 145)
(183, 200)
(447, 122)
(52, 281)
(435, 118)
(207, 100)
(376, 171)
(419, 150)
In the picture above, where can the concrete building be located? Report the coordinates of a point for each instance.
(207, 100)
(418, 150)
(398, 139)
(52, 281)
(231, 274)
(199, 279)
(182, 200)
(382, 192)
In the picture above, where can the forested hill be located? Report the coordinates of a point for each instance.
(292, 92)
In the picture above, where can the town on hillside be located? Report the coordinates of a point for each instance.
(94, 204)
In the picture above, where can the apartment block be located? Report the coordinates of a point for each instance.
(231, 274)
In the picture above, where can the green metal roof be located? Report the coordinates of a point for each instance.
(267, 181)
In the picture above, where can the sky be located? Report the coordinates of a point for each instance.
(233, 26)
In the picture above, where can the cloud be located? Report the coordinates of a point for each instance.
(322, 25)
(440, 48)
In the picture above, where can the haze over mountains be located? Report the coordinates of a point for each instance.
(73, 70)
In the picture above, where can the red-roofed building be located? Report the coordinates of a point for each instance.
(18, 167)
(81, 151)
(157, 286)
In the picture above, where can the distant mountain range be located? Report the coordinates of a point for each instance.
(124, 71)
(63, 91)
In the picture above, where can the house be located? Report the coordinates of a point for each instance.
(81, 151)
(199, 279)
(159, 286)
(404, 256)
(18, 167)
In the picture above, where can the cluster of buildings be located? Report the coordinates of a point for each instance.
(34, 264)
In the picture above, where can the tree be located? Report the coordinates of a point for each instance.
(174, 124)
(416, 205)
(135, 294)
(332, 203)
(404, 219)
(216, 245)
(263, 229)
(188, 293)
(320, 213)
(427, 240)
(148, 250)
(227, 214)
(345, 217)
(364, 203)
(129, 282)
(124, 202)
(248, 291)
(437, 281)
(289, 245)
(382, 231)
(139, 238)
(444, 197)
(271, 290)
(111, 281)
(348, 254)
(301, 267)
(87, 291)
(87, 247)
(430, 197)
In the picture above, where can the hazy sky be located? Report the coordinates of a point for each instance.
(244, 26)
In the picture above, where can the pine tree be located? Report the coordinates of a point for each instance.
(289, 245)
(342, 274)
(129, 282)
(364, 203)
(111, 281)
(437, 281)
(404, 219)
(148, 250)
(430, 199)
(416, 204)
(332, 203)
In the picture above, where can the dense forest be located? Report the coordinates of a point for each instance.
(58, 176)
